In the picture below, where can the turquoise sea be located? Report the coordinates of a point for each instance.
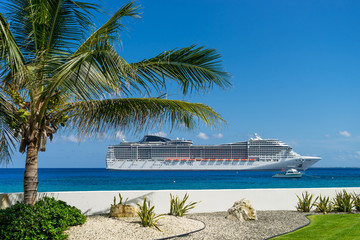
(98, 179)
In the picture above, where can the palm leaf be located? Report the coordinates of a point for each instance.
(194, 68)
(95, 66)
(138, 114)
(108, 31)
(8, 135)
(94, 72)
(11, 58)
(52, 25)
(7, 142)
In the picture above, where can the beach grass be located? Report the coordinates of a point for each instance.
(328, 227)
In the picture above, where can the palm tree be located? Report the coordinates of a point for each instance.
(58, 71)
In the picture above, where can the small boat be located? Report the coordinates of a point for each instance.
(291, 173)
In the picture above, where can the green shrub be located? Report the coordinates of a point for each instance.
(343, 202)
(147, 215)
(324, 205)
(306, 202)
(47, 219)
(178, 207)
(356, 201)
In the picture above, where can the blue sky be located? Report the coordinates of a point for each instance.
(295, 70)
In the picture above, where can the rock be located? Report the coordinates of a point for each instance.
(120, 210)
(242, 211)
(4, 202)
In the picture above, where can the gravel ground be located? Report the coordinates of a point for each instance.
(106, 228)
(269, 223)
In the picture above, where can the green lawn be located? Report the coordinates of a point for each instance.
(328, 227)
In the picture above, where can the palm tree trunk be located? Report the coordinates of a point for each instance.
(31, 175)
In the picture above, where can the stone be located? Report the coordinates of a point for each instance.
(242, 211)
(121, 210)
(4, 201)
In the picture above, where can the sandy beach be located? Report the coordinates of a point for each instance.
(211, 226)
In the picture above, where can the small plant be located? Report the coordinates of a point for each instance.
(356, 199)
(121, 209)
(343, 202)
(147, 215)
(178, 207)
(306, 202)
(324, 205)
(120, 201)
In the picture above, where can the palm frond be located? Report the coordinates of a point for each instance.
(7, 142)
(194, 68)
(96, 67)
(138, 114)
(108, 32)
(94, 73)
(11, 58)
(49, 26)
(90, 75)
(8, 136)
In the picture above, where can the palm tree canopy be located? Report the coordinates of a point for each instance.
(57, 69)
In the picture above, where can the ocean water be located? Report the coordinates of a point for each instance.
(98, 179)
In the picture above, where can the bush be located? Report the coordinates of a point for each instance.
(178, 207)
(147, 215)
(356, 201)
(306, 203)
(324, 205)
(47, 219)
(343, 202)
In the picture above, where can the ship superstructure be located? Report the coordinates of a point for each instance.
(160, 153)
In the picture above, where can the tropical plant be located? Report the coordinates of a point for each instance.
(57, 71)
(179, 207)
(147, 215)
(324, 205)
(343, 202)
(356, 198)
(47, 219)
(306, 202)
(120, 200)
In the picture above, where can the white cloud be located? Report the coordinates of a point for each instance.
(327, 135)
(71, 138)
(116, 136)
(345, 133)
(99, 136)
(160, 134)
(202, 135)
(218, 135)
(119, 135)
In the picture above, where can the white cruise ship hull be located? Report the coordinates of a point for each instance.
(302, 163)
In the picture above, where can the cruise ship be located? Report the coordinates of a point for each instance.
(160, 153)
